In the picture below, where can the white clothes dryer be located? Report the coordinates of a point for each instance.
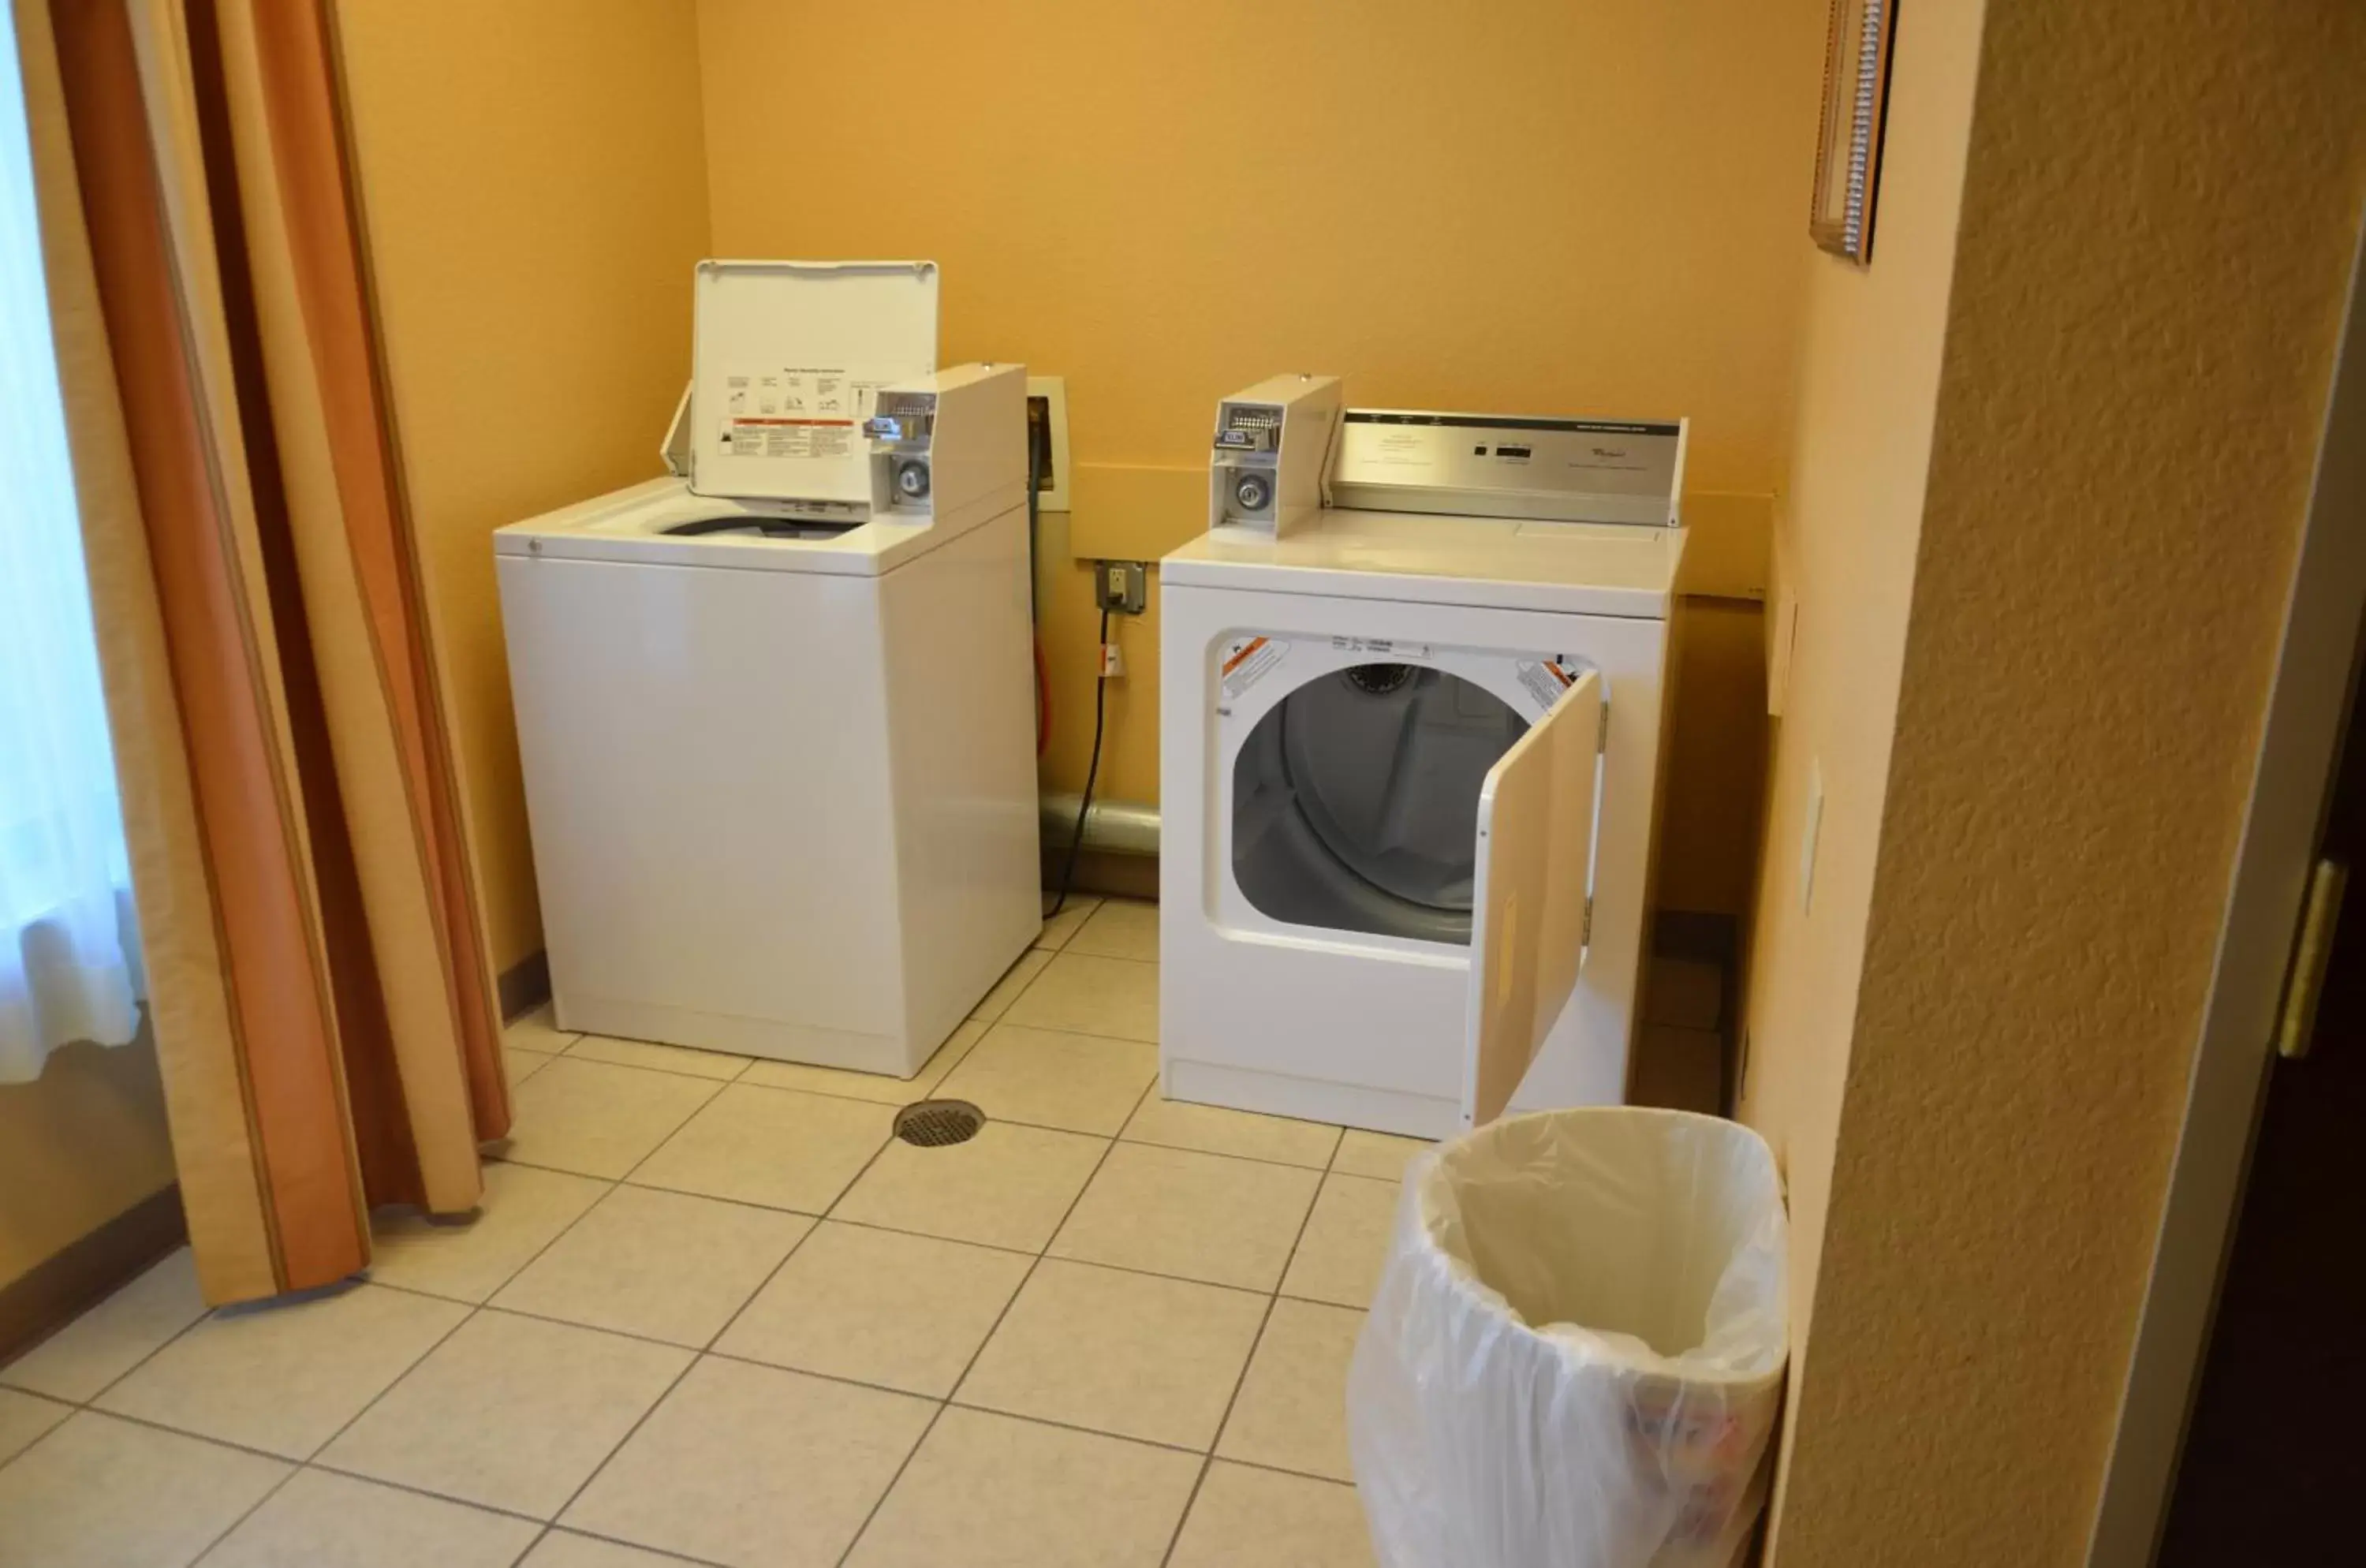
(1372, 782)
(777, 714)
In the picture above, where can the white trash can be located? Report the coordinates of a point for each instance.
(1575, 1356)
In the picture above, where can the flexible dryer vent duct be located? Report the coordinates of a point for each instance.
(1117, 827)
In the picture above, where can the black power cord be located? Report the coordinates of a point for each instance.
(1034, 520)
(1092, 770)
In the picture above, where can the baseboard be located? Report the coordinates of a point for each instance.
(54, 1293)
(524, 986)
(1695, 933)
(1106, 873)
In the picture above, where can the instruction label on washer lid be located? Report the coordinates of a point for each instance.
(1247, 660)
(796, 411)
(1547, 679)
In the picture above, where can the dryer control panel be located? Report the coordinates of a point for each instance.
(1272, 442)
(1484, 465)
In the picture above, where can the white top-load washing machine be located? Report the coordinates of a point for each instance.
(1409, 755)
(776, 713)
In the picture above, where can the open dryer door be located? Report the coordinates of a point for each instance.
(1528, 914)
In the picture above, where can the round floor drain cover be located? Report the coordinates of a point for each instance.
(933, 1124)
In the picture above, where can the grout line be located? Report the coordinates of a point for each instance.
(1207, 1455)
(1241, 1382)
(161, 1346)
(391, 1383)
(636, 1336)
(297, 1466)
(1120, 1135)
(535, 1257)
(698, 1355)
(71, 1412)
(1118, 957)
(322, 1293)
(1073, 1034)
(938, 1088)
(774, 1273)
(711, 1198)
(894, 1481)
(418, 1491)
(666, 1554)
(1058, 1425)
(1026, 987)
(1110, 1144)
(1330, 1163)
(630, 1432)
(569, 1055)
(971, 1365)
(830, 1216)
(734, 1075)
(256, 1507)
(155, 1426)
(828, 1213)
(570, 1035)
(1208, 1458)
(749, 1063)
(467, 1317)
(1215, 1460)
(331, 1468)
(740, 1359)
(548, 1526)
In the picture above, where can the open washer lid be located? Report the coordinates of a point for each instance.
(787, 362)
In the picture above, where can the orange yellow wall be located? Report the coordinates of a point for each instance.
(2052, 452)
(79, 1145)
(1715, 768)
(531, 177)
(1871, 347)
(1538, 206)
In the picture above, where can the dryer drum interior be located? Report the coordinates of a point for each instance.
(1355, 801)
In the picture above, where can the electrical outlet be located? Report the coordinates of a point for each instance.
(1122, 586)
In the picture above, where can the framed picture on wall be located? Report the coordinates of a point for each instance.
(1848, 150)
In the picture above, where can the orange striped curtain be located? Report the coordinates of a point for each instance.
(322, 997)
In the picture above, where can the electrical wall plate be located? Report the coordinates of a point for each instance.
(1122, 587)
(1053, 392)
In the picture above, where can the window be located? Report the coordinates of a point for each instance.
(68, 951)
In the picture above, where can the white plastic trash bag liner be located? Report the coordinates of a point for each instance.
(1575, 1358)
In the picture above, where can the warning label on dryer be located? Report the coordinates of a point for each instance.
(1547, 679)
(1247, 660)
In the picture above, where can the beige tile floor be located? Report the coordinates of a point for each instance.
(711, 1312)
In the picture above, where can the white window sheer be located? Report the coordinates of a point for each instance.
(69, 966)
